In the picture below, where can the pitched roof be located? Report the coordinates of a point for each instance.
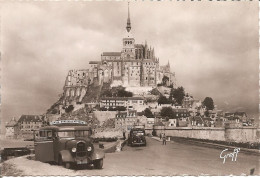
(212, 112)
(233, 118)
(94, 62)
(30, 118)
(111, 53)
(11, 123)
(241, 113)
(180, 110)
(198, 119)
(159, 124)
(228, 114)
(122, 98)
(206, 119)
(139, 46)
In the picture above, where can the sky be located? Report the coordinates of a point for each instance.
(212, 47)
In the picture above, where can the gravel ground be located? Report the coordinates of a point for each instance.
(22, 166)
(153, 160)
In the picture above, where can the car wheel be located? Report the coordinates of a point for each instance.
(98, 164)
(67, 165)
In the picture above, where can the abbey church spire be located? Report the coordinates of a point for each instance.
(128, 25)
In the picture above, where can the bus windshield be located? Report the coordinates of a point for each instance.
(73, 133)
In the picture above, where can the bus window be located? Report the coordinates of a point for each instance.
(49, 134)
(45, 134)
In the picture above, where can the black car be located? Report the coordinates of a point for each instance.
(137, 137)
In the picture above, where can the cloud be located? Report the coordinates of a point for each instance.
(212, 47)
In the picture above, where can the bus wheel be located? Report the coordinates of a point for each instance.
(98, 164)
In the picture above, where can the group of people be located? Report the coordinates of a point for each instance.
(163, 136)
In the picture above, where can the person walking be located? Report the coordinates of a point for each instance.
(160, 136)
(124, 134)
(164, 139)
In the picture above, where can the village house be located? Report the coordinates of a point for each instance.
(172, 123)
(11, 129)
(182, 122)
(220, 113)
(228, 114)
(150, 122)
(207, 122)
(196, 121)
(128, 102)
(242, 116)
(188, 101)
(236, 119)
(147, 122)
(125, 119)
(28, 123)
(212, 114)
(220, 122)
(233, 121)
(181, 113)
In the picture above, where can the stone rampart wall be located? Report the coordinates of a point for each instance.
(243, 134)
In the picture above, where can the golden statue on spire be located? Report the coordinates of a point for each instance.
(128, 25)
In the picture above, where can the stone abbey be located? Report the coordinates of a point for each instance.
(134, 66)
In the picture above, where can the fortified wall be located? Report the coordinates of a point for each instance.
(245, 134)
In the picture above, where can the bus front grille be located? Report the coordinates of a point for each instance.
(81, 149)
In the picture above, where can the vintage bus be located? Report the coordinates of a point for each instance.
(67, 143)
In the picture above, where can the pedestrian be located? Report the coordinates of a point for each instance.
(160, 136)
(124, 135)
(164, 139)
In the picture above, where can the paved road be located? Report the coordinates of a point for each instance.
(173, 159)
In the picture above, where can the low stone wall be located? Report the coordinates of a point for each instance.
(243, 134)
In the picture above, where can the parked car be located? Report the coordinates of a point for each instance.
(67, 145)
(137, 137)
(7, 153)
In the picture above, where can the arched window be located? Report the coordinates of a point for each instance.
(78, 92)
(72, 93)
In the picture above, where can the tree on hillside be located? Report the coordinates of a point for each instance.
(163, 100)
(177, 95)
(206, 113)
(165, 79)
(55, 111)
(155, 91)
(208, 103)
(107, 93)
(123, 93)
(69, 108)
(167, 112)
(148, 113)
